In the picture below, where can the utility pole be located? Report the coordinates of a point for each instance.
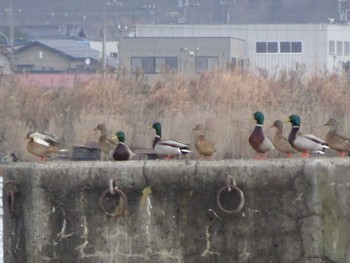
(11, 34)
(103, 38)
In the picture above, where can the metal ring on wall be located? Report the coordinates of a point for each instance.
(231, 187)
(122, 202)
(11, 189)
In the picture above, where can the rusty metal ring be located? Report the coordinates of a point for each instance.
(230, 189)
(11, 195)
(8, 183)
(11, 199)
(122, 198)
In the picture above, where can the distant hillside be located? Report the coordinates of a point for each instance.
(88, 14)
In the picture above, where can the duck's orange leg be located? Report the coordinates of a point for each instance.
(306, 154)
(264, 156)
(261, 156)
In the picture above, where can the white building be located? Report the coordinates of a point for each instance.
(274, 47)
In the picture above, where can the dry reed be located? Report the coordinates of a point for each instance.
(223, 101)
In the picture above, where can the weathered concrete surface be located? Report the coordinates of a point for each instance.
(295, 211)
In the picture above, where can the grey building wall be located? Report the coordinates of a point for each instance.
(315, 38)
(187, 50)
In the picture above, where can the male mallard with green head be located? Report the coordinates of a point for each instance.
(121, 152)
(203, 146)
(336, 141)
(167, 148)
(258, 140)
(304, 143)
(280, 142)
(43, 144)
(105, 144)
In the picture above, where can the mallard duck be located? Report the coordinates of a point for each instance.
(121, 152)
(258, 140)
(203, 146)
(43, 144)
(304, 143)
(105, 144)
(336, 141)
(280, 142)
(167, 148)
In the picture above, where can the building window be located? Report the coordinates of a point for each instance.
(285, 47)
(40, 55)
(272, 47)
(331, 47)
(266, 47)
(290, 47)
(152, 65)
(261, 47)
(296, 47)
(171, 63)
(163, 64)
(114, 54)
(339, 48)
(149, 65)
(136, 64)
(346, 48)
(205, 63)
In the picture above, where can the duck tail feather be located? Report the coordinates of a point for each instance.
(185, 151)
(319, 152)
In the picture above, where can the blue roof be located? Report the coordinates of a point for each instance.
(77, 50)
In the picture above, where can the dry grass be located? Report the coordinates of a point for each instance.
(224, 102)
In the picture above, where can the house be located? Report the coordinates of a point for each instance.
(154, 55)
(60, 56)
(269, 47)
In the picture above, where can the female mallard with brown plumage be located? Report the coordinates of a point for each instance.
(280, 142)
(121, 152)
(337, 141)
(203, 146)
(167, 148)
(105, 144)
(304, 143)
(258, 140)
(43, 144)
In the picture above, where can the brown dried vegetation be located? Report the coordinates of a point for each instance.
(225, 102)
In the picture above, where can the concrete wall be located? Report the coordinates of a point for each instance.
(295, 211)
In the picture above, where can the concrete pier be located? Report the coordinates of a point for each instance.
(163, 211)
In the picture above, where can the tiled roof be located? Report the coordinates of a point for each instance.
(76, 49)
